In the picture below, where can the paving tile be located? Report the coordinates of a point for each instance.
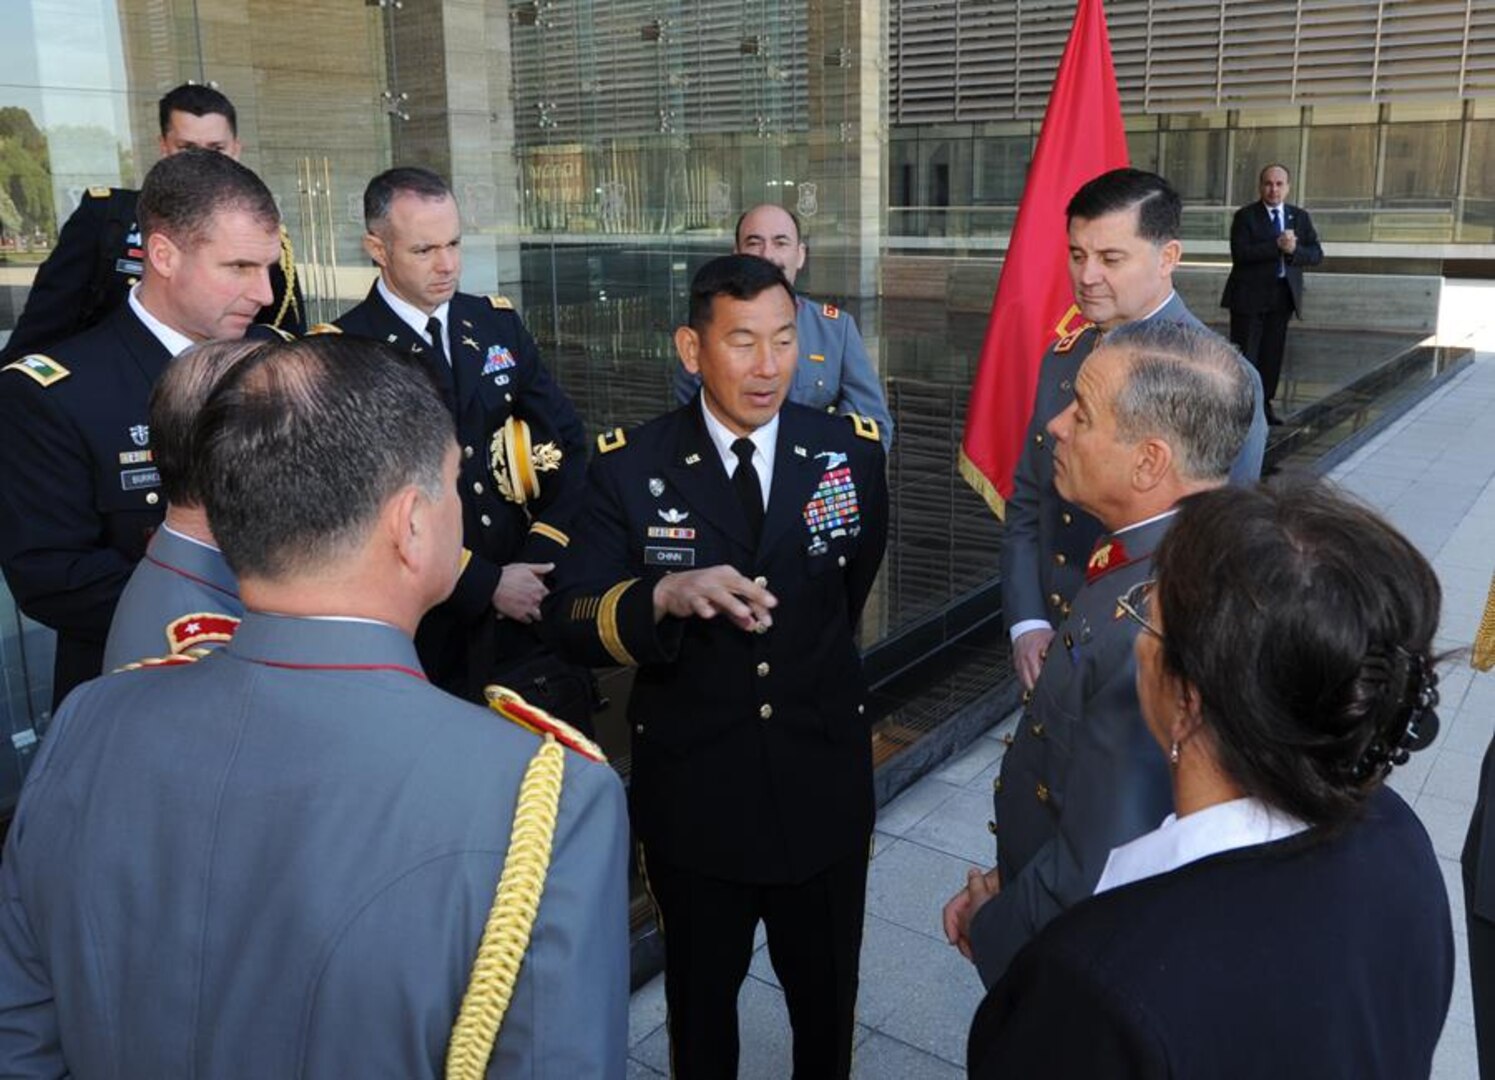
(1466, 733)
(980, 755)
(1453, 884)
(908, 884)
(1454, 776)
(882, 1058)
(1446, 823)
(1455, 1058)
(912, 805)
(889, 952)
(935, 1014)
(639, 1071)
(646, 1010)
(959, 827)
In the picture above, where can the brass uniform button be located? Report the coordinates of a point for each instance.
(477, 488)
(152, 498)
(1069, 641)
(761, 582)
(840, 560)
(765, 711)
(1042, 793)
(1060, 559)
(467, 451)
(1065, 609)
(1056, 600)
(1038, 439)
(991, 827)
(996, 785)
(1037, 730)
(763, 669)
(1027, 697)
(861, 710)
(1067, 518)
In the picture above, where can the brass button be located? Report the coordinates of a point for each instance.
(1069, 641)
(1037, 730)
(861, 710)
(831, 409)
(1067, 518)
(1060, 559)
(1065, 609)
(763, 670)
(1042, 793)
(996, 785)
(1038, 439)
(840, 560)
(486, 520)
(1065, 385)
(639, 729)
(761, 582)
(765, 711)
(1056, 600)
(152, 498)
(1027, 696)
(1007, 739)
(477, 488)
(991, 827)
(508, 397)
(467, 451)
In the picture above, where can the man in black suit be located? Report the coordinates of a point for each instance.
(523, 448)
(727, 549)
(1270, 244)
(100, 256)
(80, 494)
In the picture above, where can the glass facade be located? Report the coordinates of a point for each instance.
(601, 152)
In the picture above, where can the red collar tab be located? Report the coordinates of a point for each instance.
(200, 629)
(1109, 554)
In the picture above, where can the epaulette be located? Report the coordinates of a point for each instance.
(831, 311)
(200, 628)
(512, 707)
(612, 440)
(1069, 341)
(324, 328)
(865, 427)
(191, 656)
(98, 192)
(502, 303)
(43, 369)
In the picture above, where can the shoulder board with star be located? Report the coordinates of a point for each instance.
(864, 426)
(514, 708)
(1069, 341)
(324, 328)
(200, 628)
(190, 656)
(42, 369)
(502, 303)
(612, 440)
(830, 311)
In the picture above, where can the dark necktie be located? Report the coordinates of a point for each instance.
(444, 370)
(433, 331)
(1276, 212)
(749, 491)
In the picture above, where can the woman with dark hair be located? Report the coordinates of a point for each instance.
(1290, 918)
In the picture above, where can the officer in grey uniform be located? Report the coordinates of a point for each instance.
(1083, 773)
(1047, 538)
(280, 858)
(183, 594)
(834, 372)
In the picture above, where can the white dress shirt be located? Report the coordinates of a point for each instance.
(174, 342)
(764, 440)
(417, 319)
(1179, 841)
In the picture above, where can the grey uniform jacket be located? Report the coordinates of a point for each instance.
(1083, 774)
(277, 862)
(834, 373)
(1046, 539)
(178, 577)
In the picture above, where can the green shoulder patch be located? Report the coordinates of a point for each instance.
(612, 440)
(865, 427)
(43, 369)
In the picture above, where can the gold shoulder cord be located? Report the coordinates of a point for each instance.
(1482, 656)
(288, 267)
(511, 919)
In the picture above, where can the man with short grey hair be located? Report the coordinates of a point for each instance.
(1160, 412)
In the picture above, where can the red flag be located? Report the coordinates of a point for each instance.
(1081, 138)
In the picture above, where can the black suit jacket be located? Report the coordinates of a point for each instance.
(1323, 957)
(79, 494)
(495, 372)
(1251, 287)
(752, 754)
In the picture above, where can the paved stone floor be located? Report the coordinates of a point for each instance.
(1431, 474)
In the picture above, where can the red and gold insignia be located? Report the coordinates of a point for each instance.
(831, 311)
(201, 628)
(1069, 341)
(1107, 556)
(512, 707)
(190, 656)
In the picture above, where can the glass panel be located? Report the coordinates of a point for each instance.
(1478, 220)
(1255, 149)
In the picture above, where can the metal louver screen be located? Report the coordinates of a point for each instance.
(972, 60)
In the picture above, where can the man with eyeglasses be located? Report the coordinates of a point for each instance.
(1160, 411)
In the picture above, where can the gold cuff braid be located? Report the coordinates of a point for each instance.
(511, 920)
(607, 623)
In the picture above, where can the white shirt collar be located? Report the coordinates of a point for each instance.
(1166, 301)
(764, 439)
(189, 539)
(417, 319)
(1145, 521)
(1179, 841)
(173, 342)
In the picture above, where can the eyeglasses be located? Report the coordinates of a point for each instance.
(1136, 603)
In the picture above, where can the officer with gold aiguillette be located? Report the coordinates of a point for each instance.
(523, 448)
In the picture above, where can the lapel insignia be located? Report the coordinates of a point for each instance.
(469, 342)
(467, 324)
(392, 338)
(499, 358)
(673, 516)
(656, 487)
(1108, 555)
(42, 369)
(800, 451)
(831, 311)
(612, 440)
(693, 459)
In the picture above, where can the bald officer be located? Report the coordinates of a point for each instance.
(280, 859)
(834, 372)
